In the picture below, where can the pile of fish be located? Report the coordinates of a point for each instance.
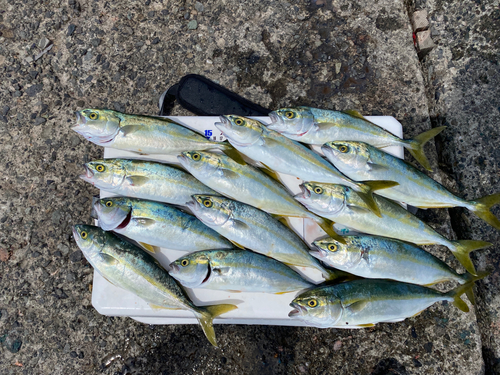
(226, 209)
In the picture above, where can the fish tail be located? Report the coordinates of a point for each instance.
(481, 207)
(416, 146)
(473, 278)
(327, 226)
(366, 193)
(462, 248)
(206, 315)
(467, 289)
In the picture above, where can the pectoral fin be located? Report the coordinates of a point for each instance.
(128, 129)
(144, 221)
(229, 174)
(357, 306)
(376, 167)
(108, 259)
(137, 180)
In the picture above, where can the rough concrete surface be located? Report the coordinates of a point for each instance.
(325, 53)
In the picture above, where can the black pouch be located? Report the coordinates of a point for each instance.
(206, 98)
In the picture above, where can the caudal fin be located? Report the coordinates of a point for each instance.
(465, 288)
(463, 248)
(481, 207)
(472, 278)
(327, 226)
(366, 193)
(206, 317)
(416, 146)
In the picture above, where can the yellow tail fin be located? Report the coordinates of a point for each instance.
(472, 278)
(327, 226)
(462, 250)
(464, 288)
(206, 317)
(366, 193)
(482, 209)
(416, 146)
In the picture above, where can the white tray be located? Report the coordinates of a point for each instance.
(253, 308)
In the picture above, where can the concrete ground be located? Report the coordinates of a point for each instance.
(334, 54)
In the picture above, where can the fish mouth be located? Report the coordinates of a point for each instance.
(192, 205)
(328, 150)
(304, 195)
(174, 268)
(275, 122)
(316, 252)
(88, 176)
(183, 159)
(298, 310)
(75, 232)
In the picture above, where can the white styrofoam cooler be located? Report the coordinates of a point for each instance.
(253, 308)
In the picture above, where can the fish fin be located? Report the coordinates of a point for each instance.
(337, 275)
(327, 226)
(471, 278)
(417, 314)
(376, 167)
(482, 209)
(158, 307)
(220, 270)
(288, 291)
(240, 224)
(127, 129)
(268, 171)
(357, 306)
(137, 180)
(234, 291)
(281, 219)
(108, 259)
(105, 278)
(461, 251)
(144, 221)
(152, 249)
(366, 193)
(237, 244)
(206, 315)
(367, 325)
(416, 146)
(229, 174)
(354, 113)
(234, 154)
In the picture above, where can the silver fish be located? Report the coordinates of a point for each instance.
(318, 126)
(129, 267)
(341, 204)
(141, 134)
(144, 179)
(363, 303)
(157, 224)
(236, 271)
(359, 160)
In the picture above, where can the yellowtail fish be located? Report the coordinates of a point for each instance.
(236, 271)
(144, 179)
(281, 154)
(251, 228)
(247, 184)
(343, 205)
(129, 267)
(359, 160)
(318, 126)
(155, 224)
(141, 134)
(375, 257)
(364, 303)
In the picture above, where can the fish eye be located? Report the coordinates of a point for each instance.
(100, 168)
(289, 115)
(196, 156)
(332, 247)
(109, 203)
(312, 303)
(207, 203)
(84, 235)
(239, 122)
(184, 262)
(318, 190)
(93, 116)
(343, 149)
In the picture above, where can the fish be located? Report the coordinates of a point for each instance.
(140, 134)
(251, 228)
(318, 126)
(131, 268)
(343, 205)
(376, 257)
(245, 183)
(236, 271)
(359, 160)
(366, 302)
(144, 179)
(155, 224)
(278, 153)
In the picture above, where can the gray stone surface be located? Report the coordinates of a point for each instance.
(463, 79)
(331, 54)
